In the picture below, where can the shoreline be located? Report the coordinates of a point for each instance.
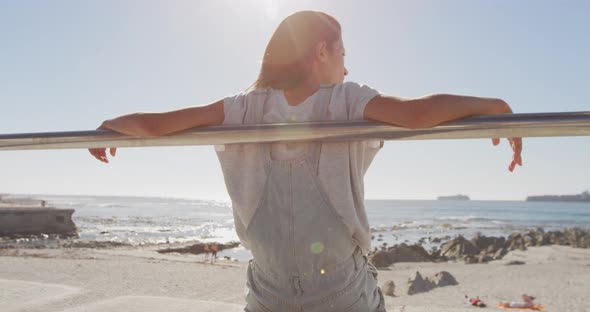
(382, 239)
(149, 221)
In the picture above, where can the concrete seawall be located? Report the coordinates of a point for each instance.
(31, 217)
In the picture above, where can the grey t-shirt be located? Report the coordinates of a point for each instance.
(342, 165)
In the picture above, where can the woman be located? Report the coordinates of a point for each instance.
(299, 207)
(526, 303)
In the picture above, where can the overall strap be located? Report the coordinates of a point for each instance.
(255, 114)
(320, 113)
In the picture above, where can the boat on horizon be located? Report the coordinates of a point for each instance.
(582, 197)
(454, 197)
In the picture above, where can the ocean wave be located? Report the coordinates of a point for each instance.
(470, 218)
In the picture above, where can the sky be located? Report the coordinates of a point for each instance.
(69, 65)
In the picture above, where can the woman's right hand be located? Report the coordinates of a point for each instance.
(100, 153)
(148, 125)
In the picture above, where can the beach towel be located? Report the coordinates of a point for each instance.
(536, 307)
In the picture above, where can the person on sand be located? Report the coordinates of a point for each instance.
(527, 302)
(299, 207)
(206, 251)
(475, 302)
(213, 252)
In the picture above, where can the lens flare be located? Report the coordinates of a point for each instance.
(317, 247)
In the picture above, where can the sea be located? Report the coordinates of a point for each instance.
(141, 221)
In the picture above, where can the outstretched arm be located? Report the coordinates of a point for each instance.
(429, 111)
(159, 124)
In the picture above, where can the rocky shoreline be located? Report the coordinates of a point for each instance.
(480, 248)
(197, 248)
(52, 241)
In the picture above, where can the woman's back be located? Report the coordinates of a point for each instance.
(299, 207)
(341, 166)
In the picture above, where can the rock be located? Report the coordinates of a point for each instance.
(584, 242)
(500, 254)
(484, 259)
(538, 235)
(381, 259)
(470, 259)
(515, 241)
(417, 284)
(482, 249)
(577, 237)
(198, 248)
(409, 253)
(488, 245)
(558, 238)
(574, 237)
(440, 239)
(400, 253)
(93, 244)
(458, 248)
(515, 262)
(388, 288)
(443, 278)
(530, 239)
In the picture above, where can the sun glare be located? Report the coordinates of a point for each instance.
(270, 7)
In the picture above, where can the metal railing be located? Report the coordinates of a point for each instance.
(486, 126)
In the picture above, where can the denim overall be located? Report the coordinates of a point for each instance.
(304, 256)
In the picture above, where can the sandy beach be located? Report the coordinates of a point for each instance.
(140, 279)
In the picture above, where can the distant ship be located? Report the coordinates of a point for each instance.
(453, 197)
(583, 197)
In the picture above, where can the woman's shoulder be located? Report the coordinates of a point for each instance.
(349, 86)
(246, 97)
(353, 92)
(251, 92)
(353, 86)
(355, 96)
(261, 91)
